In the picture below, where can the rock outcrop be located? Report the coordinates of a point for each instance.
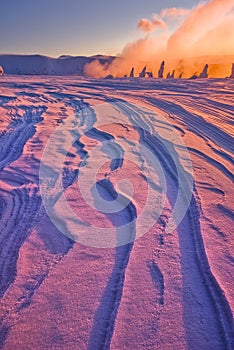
(232, 73)
(143, 73)
(161, 70)
(171, 75)
(132, 73)
(109, 76)
(194, 76)
(204, 73)
(149, 74)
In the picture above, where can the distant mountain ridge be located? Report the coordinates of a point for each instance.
(43, 65)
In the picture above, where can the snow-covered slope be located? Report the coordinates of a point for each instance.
(127, 144)
(42, 65)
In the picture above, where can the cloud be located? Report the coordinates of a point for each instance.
(159, 19)
(205, 30)
(147, 25)
(202, 20)
(174, 12)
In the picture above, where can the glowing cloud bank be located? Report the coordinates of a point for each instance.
(203, 35)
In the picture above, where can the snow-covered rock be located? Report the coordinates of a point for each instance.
(149, 74)
(143, 73)
(132, 73)
(161, 70)
(194, 76)
(204, 73)
(109, 76)
(232, 73)
(171, 75)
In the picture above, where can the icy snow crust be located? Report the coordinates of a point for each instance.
(139, 252)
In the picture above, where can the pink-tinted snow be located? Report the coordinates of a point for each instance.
(165, 290)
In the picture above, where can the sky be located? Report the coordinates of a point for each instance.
(75, 27)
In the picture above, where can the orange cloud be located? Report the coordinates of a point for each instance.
(202, 20)
(147, 25)
(206, 30)
(158, 19)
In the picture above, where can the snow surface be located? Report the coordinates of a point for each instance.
(168, 289)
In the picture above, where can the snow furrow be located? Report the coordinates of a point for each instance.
(214, 162)
(86, 293)
(104, 319)
(17, 219)
(215, 293)
(21, 205)
(196, 123)
(86, 117)
(14, 140)
(158, 280)
(195, 265)
(221, 304)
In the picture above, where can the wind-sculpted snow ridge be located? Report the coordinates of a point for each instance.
(116, 214)
(20, 204)
(16, 220)
(198, 264)
(104, 320)
(18, 132)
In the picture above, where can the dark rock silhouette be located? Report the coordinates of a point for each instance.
(149, 74)
(180, 76)
(204, 73)
(171, 75)
(232, 73)
(132, 73)
(1, 71)
(143, 73)
(109, 76)
(161, 70)
(194, 76)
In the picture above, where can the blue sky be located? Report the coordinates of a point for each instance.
(55, 27)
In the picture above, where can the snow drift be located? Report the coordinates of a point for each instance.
(164, 291)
